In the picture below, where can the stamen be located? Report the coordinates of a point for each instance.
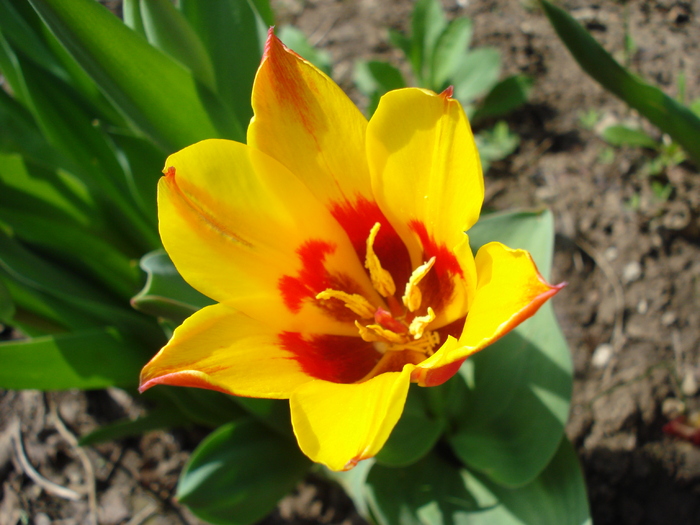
(381, 279)
(384, 334)
(419, 324)
(355, 302)
(412, 297)
(424, 345)
(367, 335)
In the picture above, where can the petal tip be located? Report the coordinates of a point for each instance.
(447, 94)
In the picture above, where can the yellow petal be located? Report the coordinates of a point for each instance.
(509, 290)
(244, 231)
(305, 121)
(339, 425)
(424, 166)
(221, 349)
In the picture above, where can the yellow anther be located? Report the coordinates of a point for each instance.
(354, 302)
(381, 279)
(412, 296)
(419, 324)
(375, 332)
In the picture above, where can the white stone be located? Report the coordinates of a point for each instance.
(631, 272)
(602, 355)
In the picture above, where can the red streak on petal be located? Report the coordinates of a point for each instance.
(169, 172)
(357, 219)
(313, 277)
(438, 285)
(335, 358)
(449, 91)
(435, 376)
(182, 378)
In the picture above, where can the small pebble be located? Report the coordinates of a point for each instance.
(642, 307)
(668, 318)
(672, 407)
(42, 519)
(689, 385)
(601, 355)
(611, 253)
(631, 272)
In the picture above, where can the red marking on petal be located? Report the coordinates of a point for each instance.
(313, 277)
(449, 91)
(182, 378)
(335, 358)
(357, 219)
(435, 376)
(169, 172)
(438, 285)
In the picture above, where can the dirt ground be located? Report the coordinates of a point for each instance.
(629, 250)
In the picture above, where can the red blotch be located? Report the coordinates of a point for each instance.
(438, 285)
(313, 277)
(335, 358)
(357, 219)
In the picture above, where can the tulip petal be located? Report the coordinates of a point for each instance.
(425, 167)
(340, 425)
(509, 290)
(220, 349)
(305, 121)
(241, 229)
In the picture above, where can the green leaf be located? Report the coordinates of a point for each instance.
(401, 41)
(427, 24)
(264, 9)
(435, 492)
(507, 95)
(7, 307)
(476, 73)
(157, 94)
(131, 13)
(449, 49)
(233, 36)
(414, 435)
(374, 78)
(85, 360)
(273, 413)
(512, 400)
(239, 472)
(166, 294)
(664, 112)
(203, 407)
(168, 30)
(624, 136)
(496, 143)
(296, 40)
(161, 417)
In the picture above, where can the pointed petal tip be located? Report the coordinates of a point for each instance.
(449, 91)
(169, 172)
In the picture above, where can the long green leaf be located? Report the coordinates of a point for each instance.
(663, 111)
(157, 94)
(233, 37)
(239, 472)
(85, 360)
(513, 402)
(168, 30)
(449, 49)
(434, 491)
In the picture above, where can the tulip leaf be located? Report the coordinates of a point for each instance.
(448, 494)
(664, 112)
(449, 49)
(509, 94)
(166, 294)
(374, 78)
(511, 401)
(624, 136)
(239, 472)
(84, 359)
(7, 307)
(274, 413)
(168, 30)
(157, 418)
(427, 24)
(233, 37)
(414, 435)
(157, 94)
(476, 73)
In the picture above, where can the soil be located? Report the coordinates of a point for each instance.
(629, 251)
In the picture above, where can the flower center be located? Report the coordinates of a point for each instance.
(398, 328)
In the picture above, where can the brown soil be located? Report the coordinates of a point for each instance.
(630, 312)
